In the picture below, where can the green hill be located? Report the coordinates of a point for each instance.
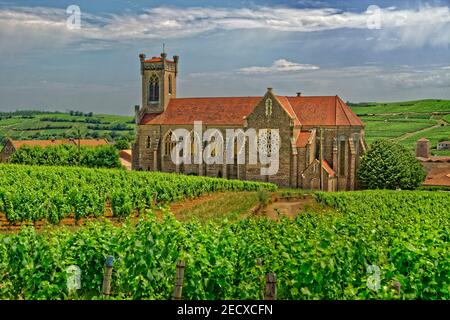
(57, 125)
(406, 122)
(419, 106)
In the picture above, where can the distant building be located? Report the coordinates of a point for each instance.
(12, 146)
(443, 145)
(437, 167)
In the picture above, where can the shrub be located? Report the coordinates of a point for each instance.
(263, 198)
(388, 165)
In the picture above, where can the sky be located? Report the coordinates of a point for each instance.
(360, 50)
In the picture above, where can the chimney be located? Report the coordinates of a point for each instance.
(299, 94)
(163, 55)
(269, 89)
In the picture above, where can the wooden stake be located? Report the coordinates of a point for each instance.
(177, 291)
(259, 263)
(271, 287)
(107, 276)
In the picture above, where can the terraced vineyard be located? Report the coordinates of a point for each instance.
(374, 245)
(23, 125)
(406, 122)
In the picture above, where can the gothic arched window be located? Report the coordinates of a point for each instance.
(194, 141)
(169, 144)
(170, 84)
(342, 150)
(153, 89)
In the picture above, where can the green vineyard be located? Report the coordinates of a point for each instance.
(365, 245)
(32, 193)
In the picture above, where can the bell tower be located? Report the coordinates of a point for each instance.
(159, 83)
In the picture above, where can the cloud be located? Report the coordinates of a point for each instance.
(42, 26)
(426, 78)
(281, 65)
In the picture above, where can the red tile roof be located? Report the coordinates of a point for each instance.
(125, 154)
(327, 168)
(308, 111)
(44, 143)
(156, 59)
(90, 142)
(323, 111)
(218, 111)
(302, 139)
(284, 101)
(125, 158)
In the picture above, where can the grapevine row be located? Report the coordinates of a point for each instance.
(52, 193)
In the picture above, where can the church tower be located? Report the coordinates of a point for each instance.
(159, 83)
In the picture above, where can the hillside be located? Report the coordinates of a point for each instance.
(406, 122)
(23, 125)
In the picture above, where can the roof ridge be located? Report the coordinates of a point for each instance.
(294, 115)
(343, 109)
(222, 97)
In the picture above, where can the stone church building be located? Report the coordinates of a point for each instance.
(321, 139)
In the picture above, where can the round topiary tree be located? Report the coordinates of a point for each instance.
(388, 165)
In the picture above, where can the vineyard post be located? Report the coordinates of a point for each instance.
(259, 263)
(177, 291)
(271, 287)
(107, 276)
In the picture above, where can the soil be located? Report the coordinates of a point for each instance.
(288, 207)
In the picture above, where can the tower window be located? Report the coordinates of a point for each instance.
(170, 84)
(149, 142)
(153, 90)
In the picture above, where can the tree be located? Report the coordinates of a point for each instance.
(388, 165)
(122, 144)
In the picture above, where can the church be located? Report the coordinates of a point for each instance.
(320, 141)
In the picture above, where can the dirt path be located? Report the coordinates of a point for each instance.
(289, 207)
(409, 134)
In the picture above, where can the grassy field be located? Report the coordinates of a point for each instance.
(406, 122)
(58, 125)
(419, 106)
(230, 206)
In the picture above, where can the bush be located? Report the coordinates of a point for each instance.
(263, 198)
(122, 144)
(388, 165)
